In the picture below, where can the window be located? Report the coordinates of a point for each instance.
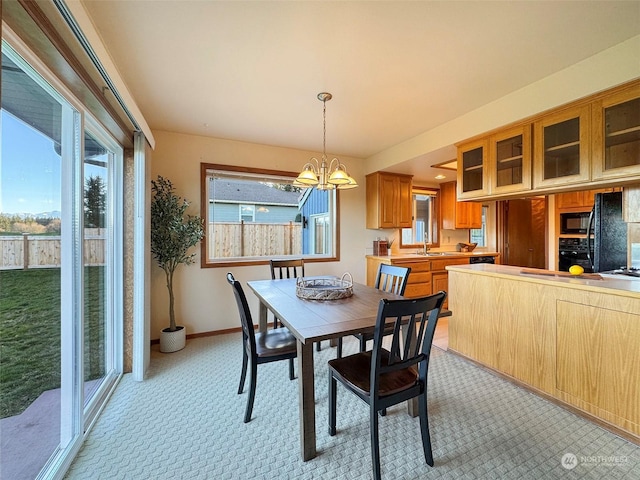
(254, 215)
(479, 235)
(425, 219)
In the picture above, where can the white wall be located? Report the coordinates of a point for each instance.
(203, 297)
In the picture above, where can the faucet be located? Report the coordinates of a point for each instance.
(427, 243)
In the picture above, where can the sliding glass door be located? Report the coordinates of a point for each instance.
(61, 271)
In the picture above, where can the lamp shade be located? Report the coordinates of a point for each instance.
(307, 177)
(339, 177)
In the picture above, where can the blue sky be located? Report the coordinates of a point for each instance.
(29, 169)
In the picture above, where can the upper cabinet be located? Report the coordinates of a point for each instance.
(458, 214)
(592, 143)
(616, 135)
(472, 163)
(561, 148)
(389, 200)
(510, 160)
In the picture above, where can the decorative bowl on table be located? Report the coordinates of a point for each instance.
(324, 288)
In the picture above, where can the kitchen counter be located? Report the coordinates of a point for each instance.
(433, 255)
(572, 339)
(618, 286)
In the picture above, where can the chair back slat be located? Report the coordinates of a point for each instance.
(418, 318)
(248, 332)
(289, 268)
(392, 278)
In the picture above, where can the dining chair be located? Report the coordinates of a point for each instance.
(391, 279)
(259, 347)
(383, 378)
(287, 268)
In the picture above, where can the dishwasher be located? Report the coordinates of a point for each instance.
(483, 259)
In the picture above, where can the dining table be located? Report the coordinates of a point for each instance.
(313, 321)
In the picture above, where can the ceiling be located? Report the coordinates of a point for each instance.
(250, 71)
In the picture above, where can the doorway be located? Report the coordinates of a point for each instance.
(522, 232)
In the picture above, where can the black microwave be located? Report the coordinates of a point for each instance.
(574, 223)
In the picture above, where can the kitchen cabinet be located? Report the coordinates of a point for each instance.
(472, 162)
(388, 200)
(428, 274)
(593, 142)
(561, 148)
(458, 214)
(582, 200)
(509, 168)
(616, 134)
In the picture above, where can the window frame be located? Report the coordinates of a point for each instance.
(434, 226)
(205, 262)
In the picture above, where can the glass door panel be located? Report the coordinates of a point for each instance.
(562, 148)
(472, 164)
(30, 275)
(96, 235)
(510, 160)
(616, 139)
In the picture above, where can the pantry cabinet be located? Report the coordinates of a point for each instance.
(389, 200)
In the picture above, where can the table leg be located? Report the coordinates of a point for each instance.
(262, 317)
(307, 401)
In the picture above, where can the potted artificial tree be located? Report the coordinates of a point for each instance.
(173, 233)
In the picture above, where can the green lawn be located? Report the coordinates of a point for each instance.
(30, 334)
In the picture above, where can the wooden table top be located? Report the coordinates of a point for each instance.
(316, 320)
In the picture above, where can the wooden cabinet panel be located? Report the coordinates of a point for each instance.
(562, 147)
(472, 165)
(509, 168)
(458, 214)
(576, 343)
(585, 358)
(388, 200)
(616, 135)
(631, 204)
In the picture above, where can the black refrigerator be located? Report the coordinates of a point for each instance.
(607, 233)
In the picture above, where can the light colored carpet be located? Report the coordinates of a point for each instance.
(185, 422)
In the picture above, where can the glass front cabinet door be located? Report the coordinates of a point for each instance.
(616, 135)
(561, 148)
(510, 160)
(472, 161)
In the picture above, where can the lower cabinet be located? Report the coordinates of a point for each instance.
(427, 275)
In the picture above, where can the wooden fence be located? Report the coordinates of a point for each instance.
(225, 240)
(39, 251)
(239, 239)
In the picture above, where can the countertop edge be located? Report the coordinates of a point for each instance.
(626, 288)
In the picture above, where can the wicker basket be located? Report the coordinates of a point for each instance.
(324, 288)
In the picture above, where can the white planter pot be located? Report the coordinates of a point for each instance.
(173, 341)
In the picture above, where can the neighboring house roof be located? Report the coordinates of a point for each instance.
(243, 191)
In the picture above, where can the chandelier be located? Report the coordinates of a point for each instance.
(322, 174)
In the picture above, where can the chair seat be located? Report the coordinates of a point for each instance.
(275, 342)
(356, 370)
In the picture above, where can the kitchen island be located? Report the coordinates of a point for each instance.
(574, 340)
